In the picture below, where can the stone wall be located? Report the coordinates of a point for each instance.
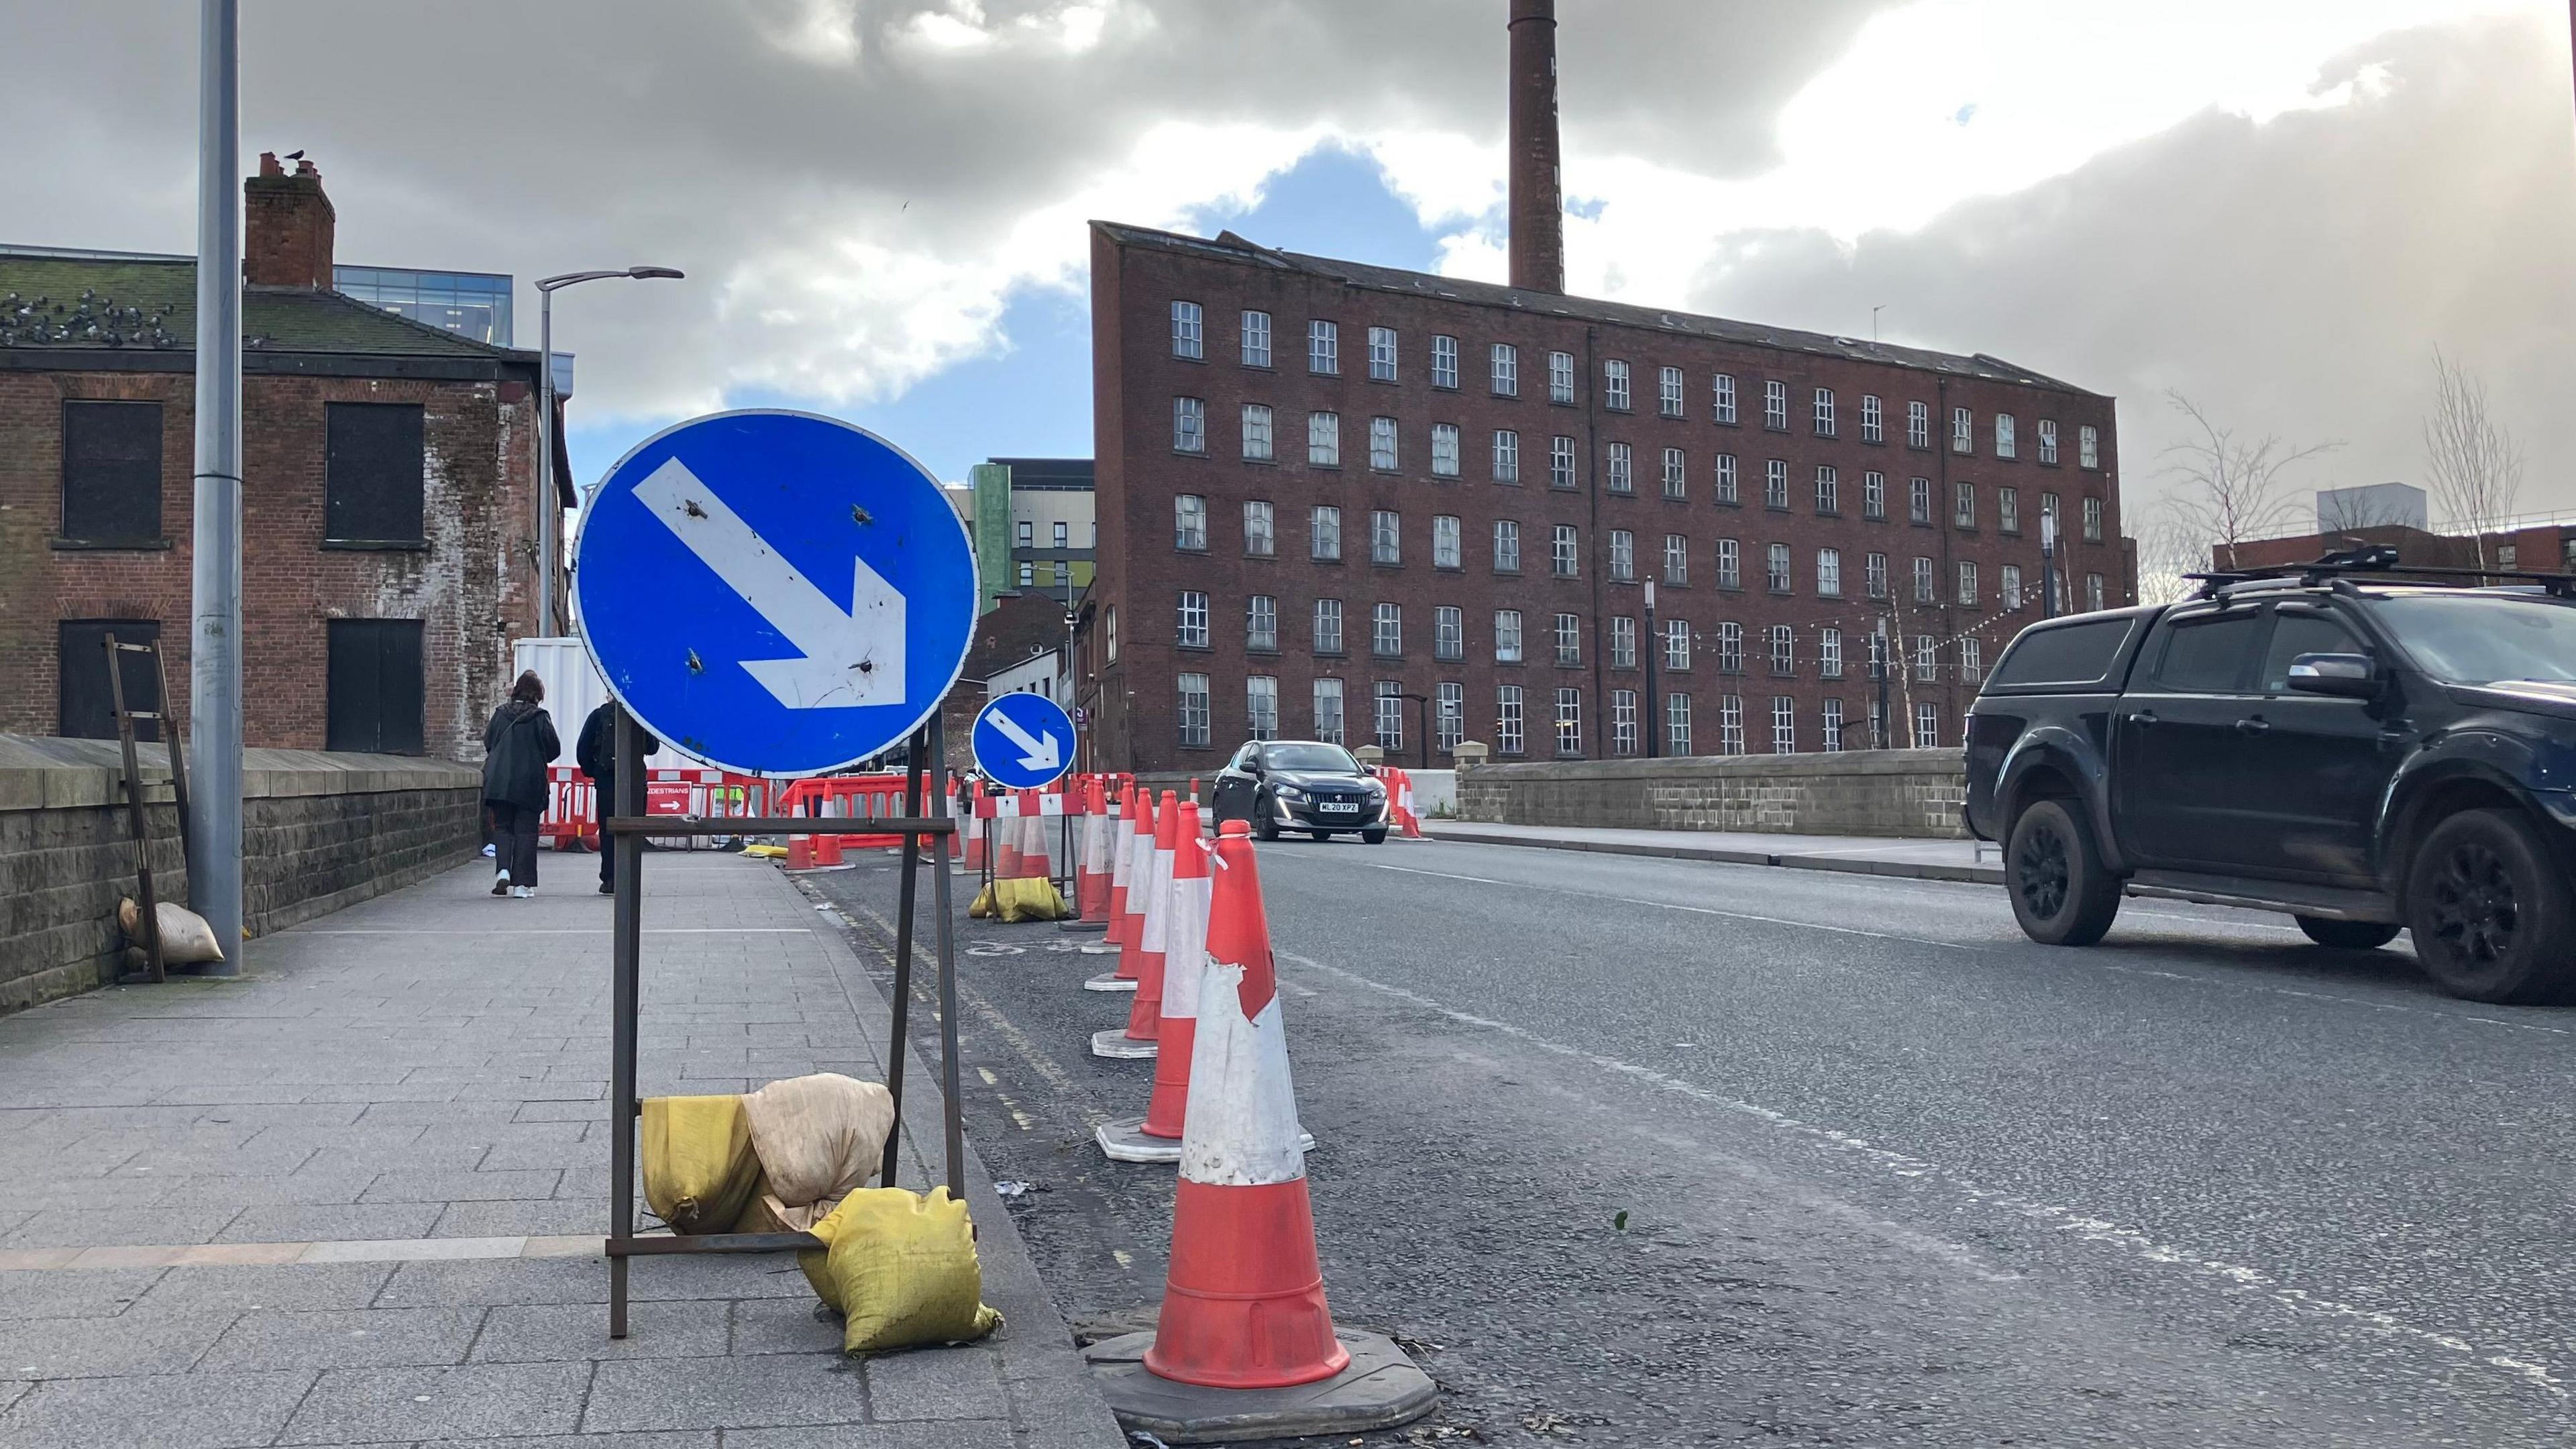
(1914, 793)
(319, 831)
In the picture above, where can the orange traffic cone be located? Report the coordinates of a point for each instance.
(978, 812)
(1033, 837)
(1184, 955)
(1140, 875)
(1006, 837)
(1091, 871)
(1122, 842)
(1153, 915)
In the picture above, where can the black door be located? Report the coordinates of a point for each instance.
(374, 688)
(2317, 766)
(85, 708)
(2180, 764)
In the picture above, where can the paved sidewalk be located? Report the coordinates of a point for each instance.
(1965, 860)
(355, 1197)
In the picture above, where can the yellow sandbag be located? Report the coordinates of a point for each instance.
(1030, 900)
(766, 852)
(901, 1269)
(699, 1169)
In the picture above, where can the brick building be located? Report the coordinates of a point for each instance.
(388, 493)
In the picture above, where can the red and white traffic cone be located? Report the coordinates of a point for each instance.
(1091, 872)
(1156, 1136)
(1006, 837)
(1140, 876)
(1144, 1015)
(1033, 836)
(1122, 841)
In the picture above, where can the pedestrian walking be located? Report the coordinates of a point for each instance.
(596, 753)
(518, 745)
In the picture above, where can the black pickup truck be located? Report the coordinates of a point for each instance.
(2360, 744)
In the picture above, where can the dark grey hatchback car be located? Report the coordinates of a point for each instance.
(1308, 785)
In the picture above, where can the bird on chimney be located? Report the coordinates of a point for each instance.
(295, 155)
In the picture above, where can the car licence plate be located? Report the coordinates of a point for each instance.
(1337, 807)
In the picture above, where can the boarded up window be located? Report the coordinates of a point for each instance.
(372, 474)
(375, 686)
(88, 710)
(112, 472)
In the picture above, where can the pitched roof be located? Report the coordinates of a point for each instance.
(127, 303)
(1227, 246)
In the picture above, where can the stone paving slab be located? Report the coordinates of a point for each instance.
(1959, 860)
(355, 1196)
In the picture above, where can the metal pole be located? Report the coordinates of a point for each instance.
(626, 936)
(947, 933)
(215, 624)
(1653, 644)
(545, 462)
(1886, 730)
(900, 1008)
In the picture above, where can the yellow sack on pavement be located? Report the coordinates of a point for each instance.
(1030, 900)
(982, 909)
(901, 1269)
(699, 1168)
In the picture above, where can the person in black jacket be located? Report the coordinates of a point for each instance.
(518, 745)
(596, 753)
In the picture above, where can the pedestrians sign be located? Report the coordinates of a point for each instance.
(1023, 740)
(774, 592)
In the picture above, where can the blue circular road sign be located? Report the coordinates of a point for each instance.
(1023, 740)
(774, 592)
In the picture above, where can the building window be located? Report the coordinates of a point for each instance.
(1784, 725)
(1569, 722)
(2093, 592)
(1623, 642)
(1833, 730)
(372, 472)
(1824, 412)
(1677, 645)
(1507, 636)
(2093, 521)
(1730, 564)
(1188, 336)
(1623, 469)
(1189, 522)
(1063, 533)
(1677, 560)
(374, 689)
(2048, 533)
(1829, 572)
(2048, 441)
(1324, 533)
(2008, 586)
(1967, 581)
(1257, 539)
(1677, 723)
(1261, 705)
(1507, 720)
(1109, 633)
(1873, 419)
(1256, 433)
(1449, 714)
(1730, 725)
(1727, 493)
(1194, 619)
(1560, 462)
(1971, 662)
(1386, 542)
(1668, 392)
(1918, 501)
(1623, 555)
(1963, 431)
(1829, 491)
(1614, 385)
(2005, 442)
(1507, 546)
(1324, 439)
(1381, 354)
(1444, 450)
(1382, 451)
(2008, 510)
(1256, 341)
(1623, 721)
(1923, 580)
(85, 705)
(1775, 406)
(1873, 496)
(1328, 626)
(1029, 575)
(1927, 727)
(1387, 695)
(112, 475)
(1561, 552)
(1506, 370)
(1193, 717)
(1829, 653)
(2088, 447)
(1026, 532)
(1507, 456)
(1775, 484)
(1261, 624)
(1722, 389)
(1776, 578)
(1323, 348)
(1328, 710)
(1918, 425)
(1444, 542)
(1444, 362)
(1386, 631)
(1927, 659)
(1784, 650)
(1560, 377)
(1448, 632)
(1189, 425)
(1875, 575)
(1963, 504)
(1730, 648)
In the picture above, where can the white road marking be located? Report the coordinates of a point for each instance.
(2529, 1368)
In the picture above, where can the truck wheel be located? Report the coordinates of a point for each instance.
(2347, 935)
(2062, 893)
(2490, 913)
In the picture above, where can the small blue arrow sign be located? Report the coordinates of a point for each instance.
(774, 592)
(1023, 740)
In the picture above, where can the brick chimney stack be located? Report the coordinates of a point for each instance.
(1537, 207)
(286, 227)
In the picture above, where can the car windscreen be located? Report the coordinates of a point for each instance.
(2481, 638)
(2066, 654)
(1309, 757)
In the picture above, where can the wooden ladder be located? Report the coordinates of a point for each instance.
(137, 819)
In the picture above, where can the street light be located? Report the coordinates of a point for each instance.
(546, 510)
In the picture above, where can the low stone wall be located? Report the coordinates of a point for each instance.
(1914, 793)
(319, 831)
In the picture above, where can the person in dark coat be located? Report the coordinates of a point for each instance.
(596, 753)
(518, 745)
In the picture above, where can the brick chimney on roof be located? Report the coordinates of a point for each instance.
(286, 227)
(1537, 209)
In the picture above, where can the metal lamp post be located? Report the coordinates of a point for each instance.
(215, 607)
(547, 513)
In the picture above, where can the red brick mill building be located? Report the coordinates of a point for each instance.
(1339, 500)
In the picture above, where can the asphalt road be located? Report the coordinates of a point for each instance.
(1891, 1174)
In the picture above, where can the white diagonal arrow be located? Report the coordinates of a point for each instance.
(1043, 751)
(850, 658)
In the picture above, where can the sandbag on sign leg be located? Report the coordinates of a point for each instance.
(819, 1138)
(1030, 899)
(901, 1270)
(699, 1169)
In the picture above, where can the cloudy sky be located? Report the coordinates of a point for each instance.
(2278, 207)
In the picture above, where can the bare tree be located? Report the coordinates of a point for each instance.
(2170, 546)
(2230, 490)
(2473, 464)
(2343, 509)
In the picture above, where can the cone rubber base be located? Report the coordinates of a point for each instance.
(1107, 980)
(1103, 948)
(1082, 925)
(1116, 1044)
(1126, 1140)
(1381, 1388)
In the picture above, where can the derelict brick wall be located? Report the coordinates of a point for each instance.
(1915, 793)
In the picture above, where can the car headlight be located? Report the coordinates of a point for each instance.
(1289, 793)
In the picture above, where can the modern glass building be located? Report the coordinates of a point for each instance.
(473, 304)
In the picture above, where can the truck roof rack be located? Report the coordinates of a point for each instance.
(2374, 561)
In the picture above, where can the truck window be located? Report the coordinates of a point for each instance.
(2211, 654)
(2070, 654)
(2297, 633)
